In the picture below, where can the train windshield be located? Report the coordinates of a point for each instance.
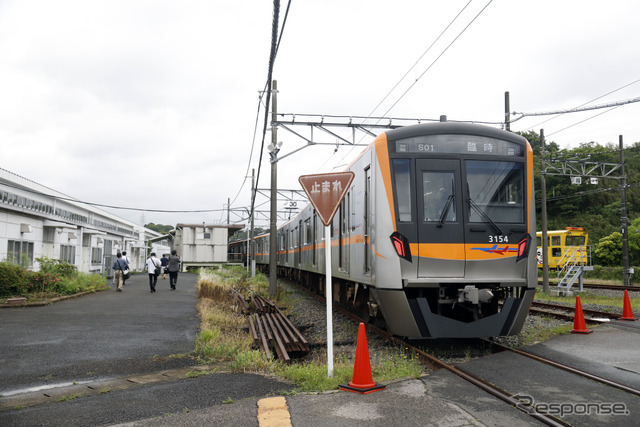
(496, 191)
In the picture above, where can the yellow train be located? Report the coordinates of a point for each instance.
(568, 246)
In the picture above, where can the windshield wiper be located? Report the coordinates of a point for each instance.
(484, 215)
(445, 211)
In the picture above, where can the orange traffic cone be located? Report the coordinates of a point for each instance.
(362, 381)
(627, 313)
(579, 327)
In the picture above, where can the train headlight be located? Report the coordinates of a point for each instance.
(401, 245)
(523, 247)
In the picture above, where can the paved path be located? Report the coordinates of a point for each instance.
(100, 335)
(107, 340)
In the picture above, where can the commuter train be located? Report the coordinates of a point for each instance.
(432, 238)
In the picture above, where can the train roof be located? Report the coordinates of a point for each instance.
(566, 230)
(454, 128)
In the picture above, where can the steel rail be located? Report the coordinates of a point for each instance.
(568, 368)
(436, 364)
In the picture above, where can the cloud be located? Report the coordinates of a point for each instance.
(122, 102)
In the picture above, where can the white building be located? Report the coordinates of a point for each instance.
(201, 245)
(36, 221)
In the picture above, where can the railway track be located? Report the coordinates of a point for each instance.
(437, 364)
(601, 286)
(567, 368)
(566, 312)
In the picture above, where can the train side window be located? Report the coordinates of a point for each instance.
(555, 240)
(555, 252)
(307, 229)
(575, 240)
(402, 176)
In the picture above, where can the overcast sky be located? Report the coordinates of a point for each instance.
(152, 104)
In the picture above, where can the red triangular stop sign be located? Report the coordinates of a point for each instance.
(326, 191)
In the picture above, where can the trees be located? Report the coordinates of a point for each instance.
(244, 234)
(162, 229)
(596, 208)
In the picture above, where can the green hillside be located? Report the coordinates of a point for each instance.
(596, 208)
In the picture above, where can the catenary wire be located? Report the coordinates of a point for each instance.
(586, 103)
(421, 75)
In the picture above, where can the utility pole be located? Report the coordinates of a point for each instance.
(507, 115)
(273, 252)
(228, 210)
(252, 244)
(626, 273)
(543, 202)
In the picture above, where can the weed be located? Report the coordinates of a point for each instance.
(196, 373)
(71, 397)
(590, 298)
(105, 390)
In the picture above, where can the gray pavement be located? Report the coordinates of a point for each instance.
(103, 359)
(99, 336)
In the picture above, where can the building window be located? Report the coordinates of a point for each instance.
(20, 253)
(96, 255)
(68, 254)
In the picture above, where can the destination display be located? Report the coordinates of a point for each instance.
(459, 144)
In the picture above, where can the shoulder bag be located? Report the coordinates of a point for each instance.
(158, 269)
(125, 271)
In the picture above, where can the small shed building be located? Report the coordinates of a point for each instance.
(202, 245)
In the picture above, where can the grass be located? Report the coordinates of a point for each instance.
(223, 338)
(533, 336)
(590, 298)
(66, 398)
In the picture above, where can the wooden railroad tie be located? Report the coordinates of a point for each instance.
(270, 328)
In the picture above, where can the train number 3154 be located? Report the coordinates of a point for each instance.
(498, 239)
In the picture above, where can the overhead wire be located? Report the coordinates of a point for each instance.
(272, 58)
(439, 56)
(582, 121)
(255, 128)
(581, 105)
(84, 202)
(428, 68)
(585, 193)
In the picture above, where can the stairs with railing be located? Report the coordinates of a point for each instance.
(575, 260)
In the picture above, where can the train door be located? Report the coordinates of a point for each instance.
(367, 221)
(343, 235)
(440, 221)
(314, 238)
(300, 241)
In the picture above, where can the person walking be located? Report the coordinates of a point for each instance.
(152, 264)
(125, 258)
(118, 267)
(174, 267)
(165, 263)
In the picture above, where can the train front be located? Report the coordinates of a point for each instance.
(454, 221)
